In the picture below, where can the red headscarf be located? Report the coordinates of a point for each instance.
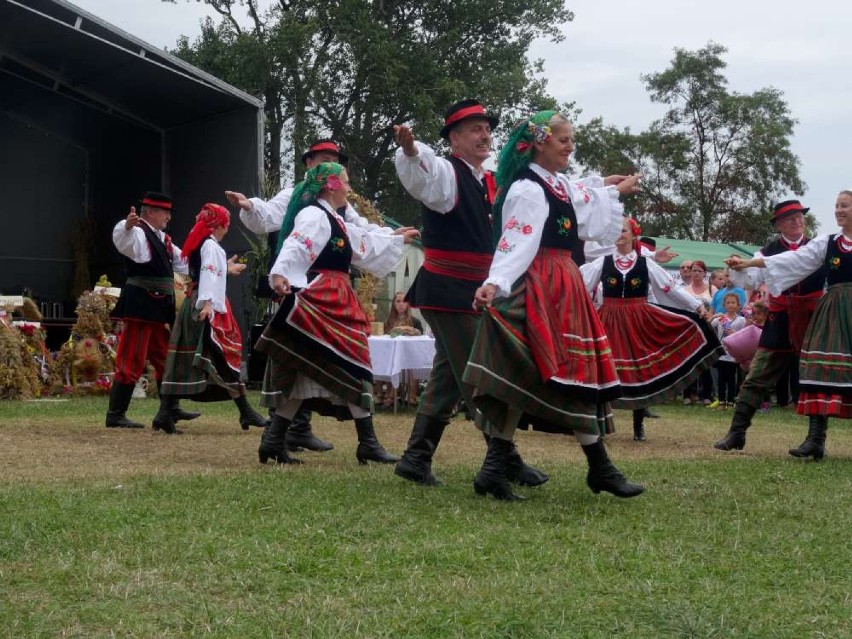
(636, 230)
(208, 219)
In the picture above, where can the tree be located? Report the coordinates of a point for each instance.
(714, 164)
(351, 69)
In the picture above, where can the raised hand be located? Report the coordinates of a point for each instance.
(664, 255)
(132, 219)
(629, 185)
(238, 199)
(405, 139)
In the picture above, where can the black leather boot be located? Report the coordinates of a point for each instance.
(119, 401)
(369, 448)
(736, 437)
(639, 425)
(603, 475)
(416, 462)
(248, 415)
(814, 444)
(491, 478)
(273, 442)
(518, 471)
(301, 435)
(181, 415)
(163, 420)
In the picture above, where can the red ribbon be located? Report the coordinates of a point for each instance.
(461, 114)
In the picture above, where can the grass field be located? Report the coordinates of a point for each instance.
(137, 534)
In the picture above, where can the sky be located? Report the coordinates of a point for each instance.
(801, 49)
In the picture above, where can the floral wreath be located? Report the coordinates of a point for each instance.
(539, 133)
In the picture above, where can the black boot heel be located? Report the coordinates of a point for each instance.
(491, 478)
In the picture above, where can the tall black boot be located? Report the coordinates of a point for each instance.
(119, 401)
(491, 478)
(181, 415)
(369, 448)
(248, 415)
(301, 435)
(163, 420)
(518, 471)
(273, 442)
(814, 444)
(416, 462)
(639, 425)
(736, 437)
(603, 475)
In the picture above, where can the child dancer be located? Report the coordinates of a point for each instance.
(205, 349)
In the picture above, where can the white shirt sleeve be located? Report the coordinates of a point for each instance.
(131, 242)
(791, 267)
(374, 251)
(666, 291)
(301, 248)
(212, 277)
(591, 272)
(750, 278)
(267, 217)
(428, 178)
(525, 211)
(599, 212)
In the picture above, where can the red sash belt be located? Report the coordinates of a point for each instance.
(461, 264)
(799, 309)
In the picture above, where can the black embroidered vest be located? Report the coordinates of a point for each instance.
(838, 264)
(560, 230)
(634, 283)
(148, 294)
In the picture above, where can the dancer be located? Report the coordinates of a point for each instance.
(657, 351)
(540, 347)
(206, 347)
(457, 194)
(790, 312)
(825, 366)
(146, 305)
(265, 218)
(317, 341)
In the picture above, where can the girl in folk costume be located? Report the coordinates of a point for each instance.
(317, 341)
(205, 349)
(658, 351)
(540, 347)
(825, 363)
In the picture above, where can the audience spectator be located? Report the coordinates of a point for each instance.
(726, 324)
(726, 289)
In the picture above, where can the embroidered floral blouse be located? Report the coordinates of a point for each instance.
(374, 251)
(662, 286)
(212, 276)
(791, 267)
(525, 211)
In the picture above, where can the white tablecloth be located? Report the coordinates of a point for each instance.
(393, 355)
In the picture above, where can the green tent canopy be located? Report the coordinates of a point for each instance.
(713, 254)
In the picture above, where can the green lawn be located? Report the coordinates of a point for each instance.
(137, 534)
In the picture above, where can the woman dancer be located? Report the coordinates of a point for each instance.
(657, 351)
(317, 341)
(540, 347)
(825, 363)
(205, 348)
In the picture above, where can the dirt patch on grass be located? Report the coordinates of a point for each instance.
(62, 448)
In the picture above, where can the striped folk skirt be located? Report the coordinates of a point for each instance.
(204, 358)
(825, 365)
(543, 350)
(658, 351)
(317, 349)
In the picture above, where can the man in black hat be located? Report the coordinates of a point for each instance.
(781, 339)
(265, 217)
(457, 194)
(146, 305)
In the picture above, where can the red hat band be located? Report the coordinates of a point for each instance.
(324, 146)
(461, 114)
(790, 208)
(157, 204)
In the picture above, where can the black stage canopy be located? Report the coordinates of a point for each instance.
(91, 117)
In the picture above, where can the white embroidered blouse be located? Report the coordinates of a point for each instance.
(373, 251)
(525, 211)
(791, 267)
(212, 276)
